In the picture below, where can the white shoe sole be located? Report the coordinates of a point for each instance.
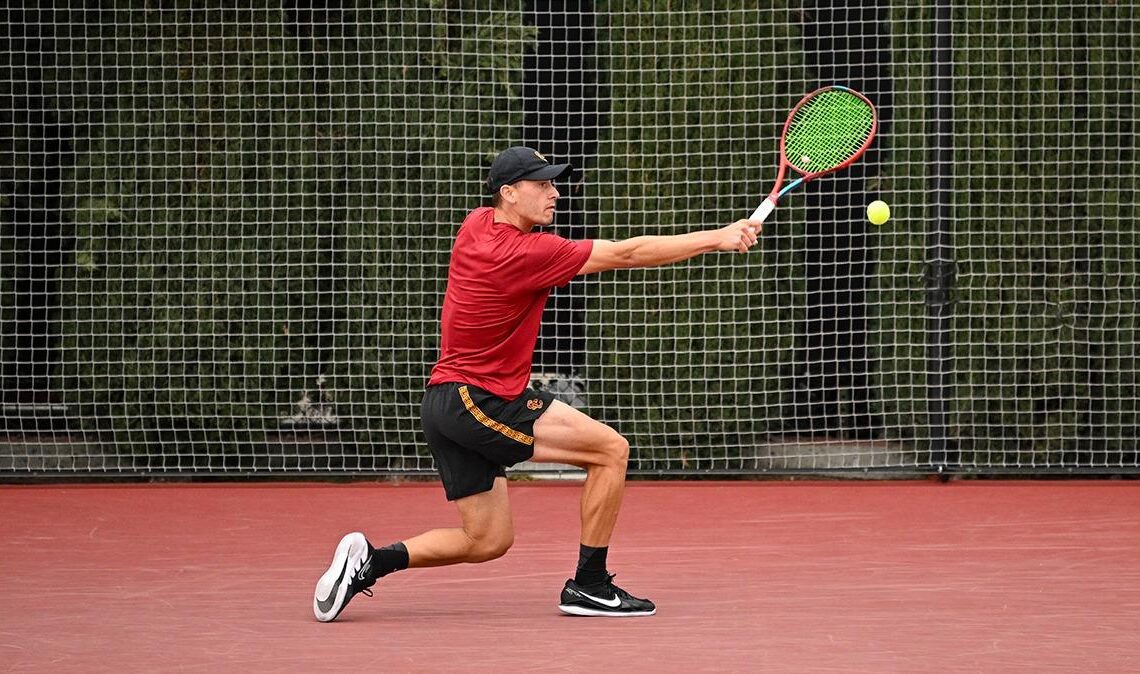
(336, 580)
(582, 610)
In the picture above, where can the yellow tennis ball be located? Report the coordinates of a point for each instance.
(878, 212)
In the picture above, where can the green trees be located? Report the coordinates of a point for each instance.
(265, 202)
(1045, 235)
(262, 201)
(1046, 308)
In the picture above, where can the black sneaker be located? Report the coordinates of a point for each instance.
(350, 573)
(604, 599)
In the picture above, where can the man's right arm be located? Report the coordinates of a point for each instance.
(655, 251)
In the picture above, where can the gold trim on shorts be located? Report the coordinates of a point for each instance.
(487, 421)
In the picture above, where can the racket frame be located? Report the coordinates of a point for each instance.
(779, 189)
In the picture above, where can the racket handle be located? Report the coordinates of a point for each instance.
(765, 209)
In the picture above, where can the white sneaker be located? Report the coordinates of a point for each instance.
(350, 573)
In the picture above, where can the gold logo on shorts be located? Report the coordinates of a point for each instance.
(534, 404)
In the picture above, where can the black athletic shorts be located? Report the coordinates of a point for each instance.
(474, 435)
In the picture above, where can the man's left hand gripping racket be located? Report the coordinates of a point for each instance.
(827, 131)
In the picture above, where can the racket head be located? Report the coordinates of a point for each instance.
(828, 130)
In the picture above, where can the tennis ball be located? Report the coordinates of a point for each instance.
(878, 212)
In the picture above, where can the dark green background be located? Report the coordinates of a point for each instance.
(252, 209)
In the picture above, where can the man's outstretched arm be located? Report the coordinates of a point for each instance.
(655, 251)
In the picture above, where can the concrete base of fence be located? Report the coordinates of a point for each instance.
(788, 454)
(795, 453)
(546, 471)
(56, 456)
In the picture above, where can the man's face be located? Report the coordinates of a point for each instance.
(534, 200)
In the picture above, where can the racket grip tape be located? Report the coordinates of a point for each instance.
(764, 210)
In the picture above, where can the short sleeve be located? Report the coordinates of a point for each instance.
(553, 261)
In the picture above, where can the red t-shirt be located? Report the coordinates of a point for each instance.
(497, 285)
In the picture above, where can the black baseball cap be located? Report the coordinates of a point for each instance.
(523, 163)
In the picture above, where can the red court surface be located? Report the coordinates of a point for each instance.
(748, 576)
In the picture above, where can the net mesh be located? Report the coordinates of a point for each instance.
(827, 130)
(227, 228)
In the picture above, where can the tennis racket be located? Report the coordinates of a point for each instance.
(827, 131)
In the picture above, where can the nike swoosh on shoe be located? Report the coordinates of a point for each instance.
(362, 576)
(612, 603)
(327, 603)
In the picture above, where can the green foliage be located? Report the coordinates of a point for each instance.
(1044, 235)
(247, 204)
(1044, 328)
(7, 295)
(261, 203)
(691, 355)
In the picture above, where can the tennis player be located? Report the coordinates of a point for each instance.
(478, 414)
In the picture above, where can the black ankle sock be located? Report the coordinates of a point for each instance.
(390, 558)
(591, 565)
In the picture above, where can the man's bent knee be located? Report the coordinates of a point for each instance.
(612, 453)
(617, 452)
(489, 546)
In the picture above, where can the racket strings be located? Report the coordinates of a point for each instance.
(828, 130)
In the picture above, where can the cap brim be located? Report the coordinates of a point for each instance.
(551, 172)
